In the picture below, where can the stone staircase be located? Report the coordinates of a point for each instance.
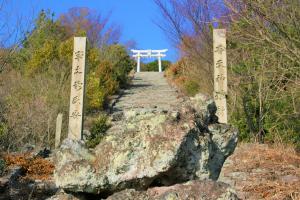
(149, 90)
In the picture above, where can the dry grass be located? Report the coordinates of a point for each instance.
(29, 107)
(35, 168)
(264, 172)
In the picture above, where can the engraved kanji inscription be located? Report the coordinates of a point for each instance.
(220, 77)
(77, 70)
(220, 64)
(78, 55)
(75, 100)
(78, 85)
(75, 114)
(220, 73)
(220, 49)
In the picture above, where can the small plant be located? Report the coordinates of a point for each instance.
(99, 127)
(191, 87)
(3, 135)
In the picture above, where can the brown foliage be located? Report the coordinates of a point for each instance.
(263, 60)
(29, 108)
(189, 25)
(35, 168)
(86, 21)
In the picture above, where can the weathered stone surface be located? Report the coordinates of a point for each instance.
(147, 148)
(61, 195)
(148, 90)
(196, 190)
(205, 107)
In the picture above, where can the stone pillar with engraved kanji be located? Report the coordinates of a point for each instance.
(77, 89)
(220, 73)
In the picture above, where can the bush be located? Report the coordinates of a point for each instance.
(100, 84)
(95, 94)
(36, 86)
(98, 129)
(31, 108)
(121, 63)
(186, 83)
(191, 87)
(107, 78)
(263, 76)
(263, 62)
(153, 66)
(3, 135)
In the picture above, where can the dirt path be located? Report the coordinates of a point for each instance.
(149, 90)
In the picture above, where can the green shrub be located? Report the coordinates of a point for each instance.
(100, 84)
(153, 66)
(121, 63)
(191, 87)
(96, 96)
(238, 120)
(36, 86)
(3, 134)
(3, 129)
(99, 127)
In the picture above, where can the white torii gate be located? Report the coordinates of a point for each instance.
(138, 54)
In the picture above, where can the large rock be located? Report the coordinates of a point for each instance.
(147, 148)
(61, 195)
(196, 190)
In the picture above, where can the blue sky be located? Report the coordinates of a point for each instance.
(136, 18)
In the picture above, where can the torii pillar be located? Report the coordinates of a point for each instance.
(138, 68)
(138, 54)
(159, 63)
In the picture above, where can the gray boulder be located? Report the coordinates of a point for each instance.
(147, 149)
(205, 107)
(62, 195)
(196, 190)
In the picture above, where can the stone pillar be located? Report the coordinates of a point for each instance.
(58, 130)
(77, 89)
(159, 64)
(220, 73)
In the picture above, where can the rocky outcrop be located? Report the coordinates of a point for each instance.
(149, 148)
(196, 190)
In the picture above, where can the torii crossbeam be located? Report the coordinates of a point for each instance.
(138, 54)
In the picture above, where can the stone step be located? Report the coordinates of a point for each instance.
(148, 90)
